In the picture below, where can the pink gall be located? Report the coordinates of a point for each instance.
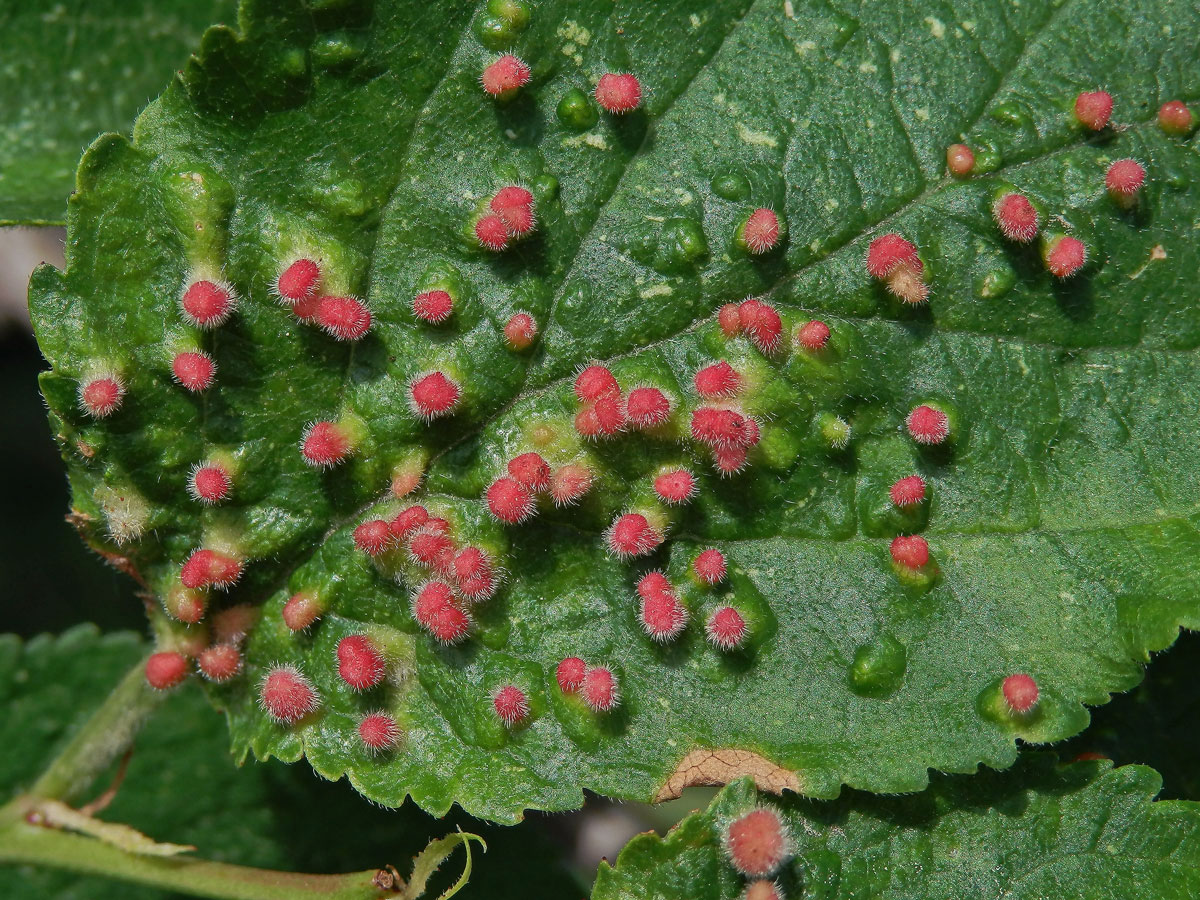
(647, 407)
(1016, 218)
(165, 670)
(760, 232)
(761, 889)
(618, 94)
(1175, 118)
(505, 76)
(709, 566)
(960, 160)
(408, 520)
(1125, 178)
(570, 673)
(344, 318)
(286, 695)
(378, 732)
(360, 664)
(433, 306)
(433, 395)
(653, 583)
(432, 548)
(301, 610)
(888, 252)
(101, 396)
(908, 491)
(520, 331)
(207, 304)
(435, 610)
(729, 320)
(474, 574)
(717, 380)
(631, 535)
(813, 336)
(1093, 109)
(726, 628)
(662, 616)
(907, 284)
(210, 569)
(298, 282)
(209, 483)
(910, 551)
(762, 324)
(325, 444)
(1020, 693)
(509, 501)
(568, 483)
(600, 690)
(185, 604)
(194, 370)
(757, 843)
(531, 470)
(675, 486)
(510, 704)
(374, 537)
(927, 425)
(232, 624)
(730, 460)
(514, 206)
(491, 233)
(594, 382)
(1064, 255)
(219, 663)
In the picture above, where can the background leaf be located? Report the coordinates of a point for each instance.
(181, 786)
(1062, 518)
(72, 71)
(1038, 830)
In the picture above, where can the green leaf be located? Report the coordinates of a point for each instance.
(73, 71)
(1062, 518)
(182, 786)
(1038, 830)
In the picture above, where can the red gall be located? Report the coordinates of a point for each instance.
(618, 93)
(286, 695)
(194, 370)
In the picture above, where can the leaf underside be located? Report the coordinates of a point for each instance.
(1039, 830)
(72, 71)
(1062, 516)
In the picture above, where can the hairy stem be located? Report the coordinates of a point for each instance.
(105, 736)
(33, 845)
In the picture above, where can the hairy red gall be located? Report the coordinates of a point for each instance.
(813, 336)
(286, 695)
(600, 690)
(1020, 692)
(729, 320)
(960, 160)
(344, 318)
(433, 306)
(709, 566)
(101, 396)
(374, 537)
(1093, 109)
(408, 520)
(570, 673)
(757, 843)
(435, 610)
(717, 380)
(1064, 255)
(1016, 218)
(910, 551)
(431, 547)
(594, 382)
(908, 491)
(210, 568)
(360, 664)
(510, 704)
(491, 232)
(888, 252)
(509, 501)
(433, 395)
(568, 483)
(631, 535)
(602, 418)
(207, 304)
(514, 206)
(166, 669)
(762, 889)
(760, 232)
(531, 470)
(194, 370)
(762, 324)
(1125, 178)
(325, 444)
(301, 610)
(520, 331)
(185, 604)
(675, 486)
(219, 663)
(298, 282)
(505, 76)
(378, 732)
(474, 574)
(662, 616)
(647, 407)
(209, 483)
(618, 93)
(927, 425)
(726, 628)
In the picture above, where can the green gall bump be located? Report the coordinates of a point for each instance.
(730, 187)
(337, 50)
(878, 667)
(576, 110)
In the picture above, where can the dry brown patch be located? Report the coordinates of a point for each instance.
(718, 767)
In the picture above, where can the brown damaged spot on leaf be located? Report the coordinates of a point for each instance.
(718, 767)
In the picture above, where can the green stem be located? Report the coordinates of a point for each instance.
(33, 845)
(105, 736)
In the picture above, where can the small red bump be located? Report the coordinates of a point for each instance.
(729, 460)
(514, 204)
(908, 491)
(1064, 256)
(360, 664)
(433, 306)
(1093, 109)
(286, 695)
(433, 395)
(662, 616)
(910, 551)
(374, 537)
(647, 407)
(726, 628)
(676, 486)
(653, 583)
(1175, 118)
(345, 318)
(165, 670)
(762, 890)
(570, 673)
(435, 610)
(600, 691)
(530, 470)
(1020, 693)
(601, 419)
(325, 444)
(306, 310)
(762, 324)
(595, 382)
(505, 75)
(568, 483)
(509, 500)
(889, 252)
(511, 705)
(491, 232)
(757, 843)
(209, 483)
(718, 380)
(813, 335)
(618, 94)
(301, 610)
(631, 535)
(709, 566)
(927, 425)
(378, 732)
(720, 428)
(761, 231)
(432, 547)
(960, 160)
(730, 320)
(1017, 218)
(101, 396)
(208, 568)
(1125, 177)
(472, 570)
(207, 304)
(195, 370)
(185, 604)
(298, 281)
(521, 331)
(408, 520)
(220, 662)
